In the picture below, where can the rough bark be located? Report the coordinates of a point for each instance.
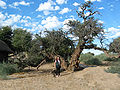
(75, 57)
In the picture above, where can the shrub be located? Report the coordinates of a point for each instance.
(115, 68)
(85, 57)
(101, 57)
(7, 69)
(93, 61)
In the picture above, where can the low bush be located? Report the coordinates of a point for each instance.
(85, 57)
(93, 61)
(115, 68)
(7, 69)
(101, 57)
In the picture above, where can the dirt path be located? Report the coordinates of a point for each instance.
(92, 78)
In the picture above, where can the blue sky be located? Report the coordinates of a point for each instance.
(36, 15)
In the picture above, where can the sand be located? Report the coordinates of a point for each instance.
(92, 78)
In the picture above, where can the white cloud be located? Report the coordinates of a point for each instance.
(76, 4)
(10, 20)
(21, 3)
(57, 7)
(100, 21)
(113, 32)
(61, 1)
(96, 52)
(39, 16)
(119, 26)
(112, 29)
(2, 4)
(87, 13)
(101, 8)
(93, 0)
(51, 22)
(66, 27)
(79, 9)
(2, 16)
(46, 12)
(46, 6)
(65, 10)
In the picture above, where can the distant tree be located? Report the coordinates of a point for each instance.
(86, 31)
(21, 40)
(6, 35)
(115, 46)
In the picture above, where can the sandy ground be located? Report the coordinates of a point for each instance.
(92, 78)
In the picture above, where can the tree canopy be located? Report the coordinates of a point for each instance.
(21, 40)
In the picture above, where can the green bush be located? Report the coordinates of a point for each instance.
(102, 57)
(7, 69)
(89, 59)
(93, 61)
(115, 68)
(34, 60)
(85, 57)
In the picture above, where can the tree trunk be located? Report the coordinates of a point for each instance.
(75, 57)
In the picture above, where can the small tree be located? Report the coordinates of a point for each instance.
(115, 46)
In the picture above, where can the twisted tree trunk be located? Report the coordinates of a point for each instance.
(75, 57)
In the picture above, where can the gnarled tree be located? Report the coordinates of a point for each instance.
(86, 31)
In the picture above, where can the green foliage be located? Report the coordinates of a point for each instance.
(21, 40)
(85, 57)
(55, 43)
(89, 59)
(6, 35)
(34, 60)
(93, 61)
(102, 57)
(115, 68)
(7, 69)
(115, 45)
(36, 53)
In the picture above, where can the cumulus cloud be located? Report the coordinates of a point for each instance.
(23, 3)
(9, 20)
(101, 8)
(65, 10)
(51, 22)
(2, 4)
(12, 19)
(76, 4)
(61, 1)
(46, 6)
(93, 0)
(113, 32)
